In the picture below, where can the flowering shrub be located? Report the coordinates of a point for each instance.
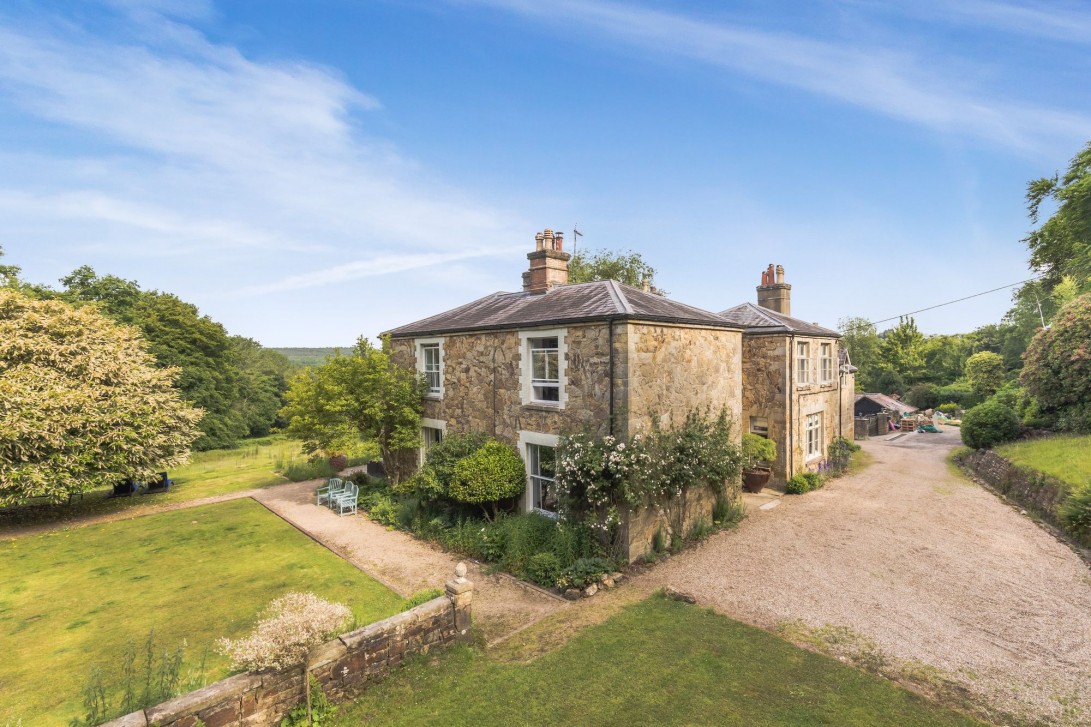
(598, 476)
(294, 624)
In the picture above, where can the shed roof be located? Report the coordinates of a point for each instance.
(888, 402)
(598, 300)
(756, 320)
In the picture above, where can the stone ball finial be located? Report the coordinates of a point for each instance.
(460, 570)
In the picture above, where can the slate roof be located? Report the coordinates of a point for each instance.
(599, 300)
(887, 402)
(755, 320)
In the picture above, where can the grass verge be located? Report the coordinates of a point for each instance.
(1068, 458)
(75, 598)
(656, 662)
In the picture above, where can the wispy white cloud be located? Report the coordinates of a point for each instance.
(185, 146)
(1056, 20)
(369, 268)
(894, 83)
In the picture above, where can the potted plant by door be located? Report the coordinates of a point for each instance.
(758, 454)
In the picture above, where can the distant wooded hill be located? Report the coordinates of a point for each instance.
(308, 356)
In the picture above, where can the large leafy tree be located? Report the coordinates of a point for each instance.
(901, 351)
(361, 395)
(1058, 366)
(859, 337)
(234, 380)
(82, 404)
(263, 379)
(624, 267)
(985, 372)
(1061, 246)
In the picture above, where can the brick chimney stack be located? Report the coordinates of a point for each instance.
(548, 263)
(774, 293)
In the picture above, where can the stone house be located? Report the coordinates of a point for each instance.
(600, 357)
(798, 383)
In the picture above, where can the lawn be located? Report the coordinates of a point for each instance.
(657, 662)
(1066, 458)
(75, 598)
(216, 472)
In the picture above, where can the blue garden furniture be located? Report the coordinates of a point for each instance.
(161, 483)
(126, 487)
(325, 495)
(345, 502)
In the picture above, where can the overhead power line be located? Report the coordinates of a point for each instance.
(957, 300)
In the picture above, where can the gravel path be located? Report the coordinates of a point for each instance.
(501, 605)
(930, 567)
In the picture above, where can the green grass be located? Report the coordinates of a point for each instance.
(216, 472)
(1067, 458)
(657, 662)
(73, 598)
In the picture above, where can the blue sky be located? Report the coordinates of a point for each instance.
(307, 172)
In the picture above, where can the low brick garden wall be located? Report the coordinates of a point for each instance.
(1033, 490)
(344, 667)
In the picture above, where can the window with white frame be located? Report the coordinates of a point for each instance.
(813, 436)
(803, 362)
(432, 366)
(825, 362)
(541, 465)
(432, 432)
(431, 436)
(545, 371)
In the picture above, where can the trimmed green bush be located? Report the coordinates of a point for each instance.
(950, 408)
(442, 459)
(989, 424)
(494, 472)
(544, 569)
(803, 482)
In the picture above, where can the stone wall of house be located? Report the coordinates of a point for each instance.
(344, 667)
(816, 398)
(765, 392)
(768, 372)
(678, 518)
(482, 387)
(668, 371)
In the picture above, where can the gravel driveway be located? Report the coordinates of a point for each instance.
(932, 569)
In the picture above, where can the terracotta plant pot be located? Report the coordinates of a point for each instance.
(755, 478)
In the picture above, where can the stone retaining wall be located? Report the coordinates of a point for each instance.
(1031, 489)
(677, 518)
(344, 667)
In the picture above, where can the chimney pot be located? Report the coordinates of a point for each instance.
(774, 293)
(548, 263)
